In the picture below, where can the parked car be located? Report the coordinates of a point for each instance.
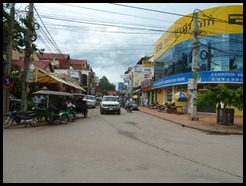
(110, 104)
(90, 101)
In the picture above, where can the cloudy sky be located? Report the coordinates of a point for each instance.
(111, 37)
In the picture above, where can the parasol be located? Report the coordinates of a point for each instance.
(180, 96)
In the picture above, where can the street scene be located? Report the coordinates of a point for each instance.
(129, 148)
(122, 92)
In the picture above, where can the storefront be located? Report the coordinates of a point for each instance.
(220, 54)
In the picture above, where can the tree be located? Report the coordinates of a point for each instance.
(20, 28)
(219, 94)
(237, 98)
(105, 85)
(18, 40)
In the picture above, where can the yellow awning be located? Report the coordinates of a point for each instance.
(42, 76)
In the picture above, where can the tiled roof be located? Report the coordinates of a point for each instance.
(52, 56)
(75, 63)
(43, 64)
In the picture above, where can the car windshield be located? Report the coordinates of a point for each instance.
(109, 99)
(91, 97)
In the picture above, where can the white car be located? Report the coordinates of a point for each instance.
(110, 104)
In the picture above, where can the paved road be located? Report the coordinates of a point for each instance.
(129, 148)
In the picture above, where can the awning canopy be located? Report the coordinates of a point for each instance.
(51, 92)
(136, 90)
(42, 76)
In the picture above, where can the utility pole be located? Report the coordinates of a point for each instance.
(194, 74)
(132, 83)
(28, 53)
(8, 66)
(209, 56)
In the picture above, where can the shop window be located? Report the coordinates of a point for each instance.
(169, 94)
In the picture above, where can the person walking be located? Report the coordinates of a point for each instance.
(146, 102)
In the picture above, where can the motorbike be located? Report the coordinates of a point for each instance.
(81, 107)
(128, 108)
(171, 107)
(161, 108)
(20, 117)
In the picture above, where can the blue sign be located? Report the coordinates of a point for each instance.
(172, 80)
(222, 77)
(204, 77)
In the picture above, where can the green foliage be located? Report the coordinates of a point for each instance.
(220, 93)
(20, 28)
(237, 98)
(105, 85)
(16, 75)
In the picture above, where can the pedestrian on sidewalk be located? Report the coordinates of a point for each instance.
(146, 103)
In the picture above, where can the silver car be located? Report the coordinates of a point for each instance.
(90, 101)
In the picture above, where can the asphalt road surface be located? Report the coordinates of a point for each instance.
(128, 148)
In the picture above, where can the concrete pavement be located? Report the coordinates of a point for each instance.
(205, 122)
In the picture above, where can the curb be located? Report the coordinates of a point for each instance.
(198, 128)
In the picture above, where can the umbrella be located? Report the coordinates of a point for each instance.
(180, 96)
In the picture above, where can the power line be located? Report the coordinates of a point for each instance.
(53, 41)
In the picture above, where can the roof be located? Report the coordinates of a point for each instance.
(77, 64)
(43, 64)
(51, 92)
(52, 56)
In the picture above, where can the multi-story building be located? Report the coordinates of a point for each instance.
(143, 70)
(220, 55)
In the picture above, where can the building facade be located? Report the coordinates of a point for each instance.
(220, 55)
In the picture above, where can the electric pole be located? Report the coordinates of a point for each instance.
(194, 74)
(8, 66)
(28, 53)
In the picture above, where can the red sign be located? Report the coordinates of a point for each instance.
(8, 82)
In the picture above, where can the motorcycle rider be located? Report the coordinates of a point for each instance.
(128, 104)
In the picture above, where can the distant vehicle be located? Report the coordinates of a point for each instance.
(110, 104)
(90, 101)
(98, 100)
(134, 105)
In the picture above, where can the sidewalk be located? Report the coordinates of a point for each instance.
(206, 122)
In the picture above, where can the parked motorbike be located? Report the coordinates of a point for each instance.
(81, 107)
(161, 108)
(19, 117)
(170, 107)
(153, 105)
